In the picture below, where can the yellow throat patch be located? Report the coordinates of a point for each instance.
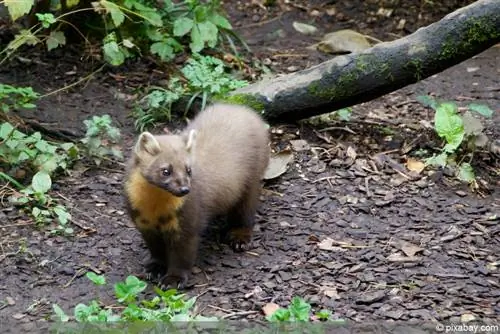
(153, 207)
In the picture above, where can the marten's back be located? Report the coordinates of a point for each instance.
(231, 152)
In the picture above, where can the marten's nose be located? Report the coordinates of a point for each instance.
(184, 190)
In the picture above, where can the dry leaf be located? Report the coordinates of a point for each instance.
(270, 308)
(467, 317)
(410, 249)
(326, 244)
(415, 165)
(299, 145)
(351, 153)
(397, 257)
(305, 29)
(330, 292)
(278, 164)
(343, 41)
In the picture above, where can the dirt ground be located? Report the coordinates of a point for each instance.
(393, 247)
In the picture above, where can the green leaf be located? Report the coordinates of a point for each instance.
(344, 114)
(149, 14)
(5, 130)
(466, 172)
(116, 13)
(481, 109)
(209, 32)
(55, 39)
(279, 315)
(60, 313)
(63, 216)
(324, 314)
(18, 8)
(23, 37)
(300, 309)
(439, 160)
(201, 13)
(50, 165)
(41, 182)
(128, 291)
(197, 44)
(113, 54)
(46, 19)
(163, 50)
(96, 279)
(72, 3)
(220, 21)
(427, 101)
(449, 125)
(182, 26)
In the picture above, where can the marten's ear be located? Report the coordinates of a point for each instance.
(189, 139)
(147, 143)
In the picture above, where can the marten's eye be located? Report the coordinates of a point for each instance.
(188, 170)
(165, 172)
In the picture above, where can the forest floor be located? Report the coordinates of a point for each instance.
(339, 229)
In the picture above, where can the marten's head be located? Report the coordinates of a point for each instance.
(165, 160)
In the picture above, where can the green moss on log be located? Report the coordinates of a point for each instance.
(349, 80)
(477, 31)
(245, 99)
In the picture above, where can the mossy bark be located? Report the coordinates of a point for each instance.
(355, 78)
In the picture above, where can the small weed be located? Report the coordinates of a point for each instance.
(166, 305)
(459, 132)
(12, 98)
(205, 77)
(101, 139)
(24, 155)
(300, 311)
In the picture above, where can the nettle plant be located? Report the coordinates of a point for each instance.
(101, 139)
(132, 27)
(462, 132)
(166, 305)
(28, 162)
(28, 154)
(204, 77)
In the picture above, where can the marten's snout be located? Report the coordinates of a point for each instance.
(184, 190)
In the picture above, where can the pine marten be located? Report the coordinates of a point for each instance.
(177, 183)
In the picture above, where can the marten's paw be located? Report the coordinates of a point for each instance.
(174, 280)
(239, 238)
(155, 267)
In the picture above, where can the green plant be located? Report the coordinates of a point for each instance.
(299, 311)
(131, 27)
(16, 98)
(156, 105)
(28, 154)
(101, 139)
(459, 132)
(166, 305)
(204, 76)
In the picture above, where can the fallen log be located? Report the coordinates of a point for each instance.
(359, 77)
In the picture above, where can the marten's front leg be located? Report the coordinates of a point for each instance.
(181, 252)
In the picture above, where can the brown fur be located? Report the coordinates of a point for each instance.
(226, 150)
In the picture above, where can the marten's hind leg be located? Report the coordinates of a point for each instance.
(241, 219)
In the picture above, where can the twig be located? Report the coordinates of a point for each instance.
(238, 314)
(344, 128)
(85, 78)
(79, 272)
(231, 312)
(19, 224)
(258, 24)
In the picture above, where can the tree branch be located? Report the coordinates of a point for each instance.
(359, 77)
